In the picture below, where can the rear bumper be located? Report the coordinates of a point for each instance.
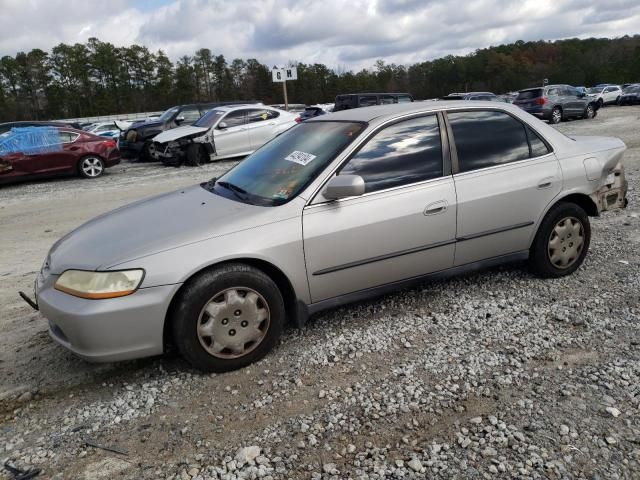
(538, 112)
(106, 330)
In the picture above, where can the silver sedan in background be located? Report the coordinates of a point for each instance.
(337, 209)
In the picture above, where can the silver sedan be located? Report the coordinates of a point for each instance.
(335, 210)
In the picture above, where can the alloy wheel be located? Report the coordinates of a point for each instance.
(233, 322)
(589, 111)
(92, 167)
(557, 115)
(566, 242)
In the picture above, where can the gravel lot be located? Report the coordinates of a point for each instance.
(494, 374)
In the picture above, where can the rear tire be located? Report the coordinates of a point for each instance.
(556, 115)
(228, 318)
(90, 166)
(562, 241)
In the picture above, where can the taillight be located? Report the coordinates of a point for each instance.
(298, 119)
(541, 100)
(110, 143)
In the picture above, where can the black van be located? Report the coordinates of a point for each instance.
(355, 100)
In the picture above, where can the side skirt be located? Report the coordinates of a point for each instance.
(305, 311)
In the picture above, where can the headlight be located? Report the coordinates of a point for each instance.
(97, 285)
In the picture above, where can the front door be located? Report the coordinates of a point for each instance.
(505, 177)
(402, 227)
(60, 158)
(231, 136)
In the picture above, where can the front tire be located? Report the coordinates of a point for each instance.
(589, 112)
(562, 241)
(228, 318)
(197, 155)
(91, 166)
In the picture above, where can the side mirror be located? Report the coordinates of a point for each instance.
(179, 119)
(222, 125)
(342, 186)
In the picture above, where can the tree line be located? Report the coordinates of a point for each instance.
(98, 78)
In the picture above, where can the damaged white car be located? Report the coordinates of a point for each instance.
(223, 132)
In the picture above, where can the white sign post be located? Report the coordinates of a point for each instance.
(282, 75)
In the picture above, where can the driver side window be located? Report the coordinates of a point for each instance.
(190, 115)
(404, 153)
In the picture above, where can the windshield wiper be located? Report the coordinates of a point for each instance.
(239, 192)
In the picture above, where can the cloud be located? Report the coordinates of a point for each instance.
(349, 34)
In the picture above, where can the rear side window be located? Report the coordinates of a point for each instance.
(387, 99)
(529, 94)
(234, 118)
(260, 115)
(404, 153)
(487, 138)
(404, 99)
(368, 100)
(344, 102)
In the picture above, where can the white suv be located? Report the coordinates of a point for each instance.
(605, 95)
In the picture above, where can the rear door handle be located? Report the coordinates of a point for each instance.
(436, 207)
(545, 183)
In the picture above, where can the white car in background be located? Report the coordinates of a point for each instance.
(111, 129)
(223, 132)
(605, 95)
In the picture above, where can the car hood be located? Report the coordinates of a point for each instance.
(180, 132)
(157, 224)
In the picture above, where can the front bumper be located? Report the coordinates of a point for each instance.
(106, 330)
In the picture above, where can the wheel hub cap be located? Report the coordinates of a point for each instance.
(92, 167)
(566, 242)
(233, 322)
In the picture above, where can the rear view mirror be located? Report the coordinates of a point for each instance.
(342, 186)
(222, 125)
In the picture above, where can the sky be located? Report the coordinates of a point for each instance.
(342, 34)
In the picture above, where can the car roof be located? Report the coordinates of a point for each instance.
(367, 114)
(228, 108)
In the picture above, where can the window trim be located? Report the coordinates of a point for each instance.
(77, 136)
(454, 153)
(446, 158)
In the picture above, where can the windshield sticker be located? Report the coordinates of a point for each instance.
(300, 158)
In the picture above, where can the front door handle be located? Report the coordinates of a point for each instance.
(436, 207)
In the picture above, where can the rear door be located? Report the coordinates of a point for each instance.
(402, 227)
(233, 137)
(576, 103)
(61, 158)
(505, 175)
(262, 124)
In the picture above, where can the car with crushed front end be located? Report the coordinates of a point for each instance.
(137, 140)
(223, 132)
(303, 224)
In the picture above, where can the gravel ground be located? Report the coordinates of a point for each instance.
(493, 374)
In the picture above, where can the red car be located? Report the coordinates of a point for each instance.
(80, 153)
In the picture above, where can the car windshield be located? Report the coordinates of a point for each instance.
(209, 119)
(595, 90)
(168, 114)
(278, 171)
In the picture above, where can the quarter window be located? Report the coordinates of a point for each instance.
(404, 153)
(487, 138)
(538, 147)
(368, 100)
(68, 137)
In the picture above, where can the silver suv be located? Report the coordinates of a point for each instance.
(337, 209)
